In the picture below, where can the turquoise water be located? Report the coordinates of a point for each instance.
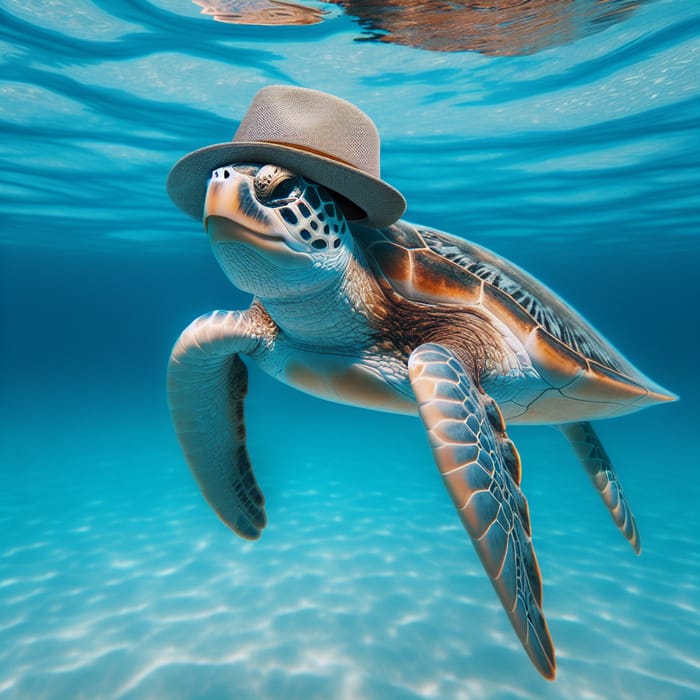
(577, 158)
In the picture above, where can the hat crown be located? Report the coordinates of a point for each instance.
(312, 121)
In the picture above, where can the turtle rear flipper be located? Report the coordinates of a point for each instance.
(599, 468)
(481, 469)
(207, 384)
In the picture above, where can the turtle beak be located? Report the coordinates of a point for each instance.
(231, 214)
(231, 198)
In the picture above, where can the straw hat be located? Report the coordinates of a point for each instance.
(318, 136)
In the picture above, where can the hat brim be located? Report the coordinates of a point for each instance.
(187, 181)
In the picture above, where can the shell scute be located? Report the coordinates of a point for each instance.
(435, 279)
(395, 264)
(557, 363)
(403, 260)
(519, 320)
(406, 236)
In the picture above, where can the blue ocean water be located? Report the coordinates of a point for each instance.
(575, 155)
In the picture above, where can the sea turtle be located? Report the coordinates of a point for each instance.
(402, 319)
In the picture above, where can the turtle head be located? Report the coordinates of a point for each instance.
(274, 232)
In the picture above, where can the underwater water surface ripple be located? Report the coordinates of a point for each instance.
(597, 135)
(566, 139)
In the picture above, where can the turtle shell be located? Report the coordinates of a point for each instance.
(434, 269)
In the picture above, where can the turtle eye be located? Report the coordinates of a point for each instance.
(275, 186)
(285, 190)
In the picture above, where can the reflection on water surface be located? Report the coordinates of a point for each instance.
(493, 27)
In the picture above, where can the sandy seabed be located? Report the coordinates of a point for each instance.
(118, 582)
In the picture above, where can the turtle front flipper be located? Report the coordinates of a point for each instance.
(481, 469)
(599, 468)
(207, 383)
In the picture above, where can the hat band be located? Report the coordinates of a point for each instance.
(313, 151)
